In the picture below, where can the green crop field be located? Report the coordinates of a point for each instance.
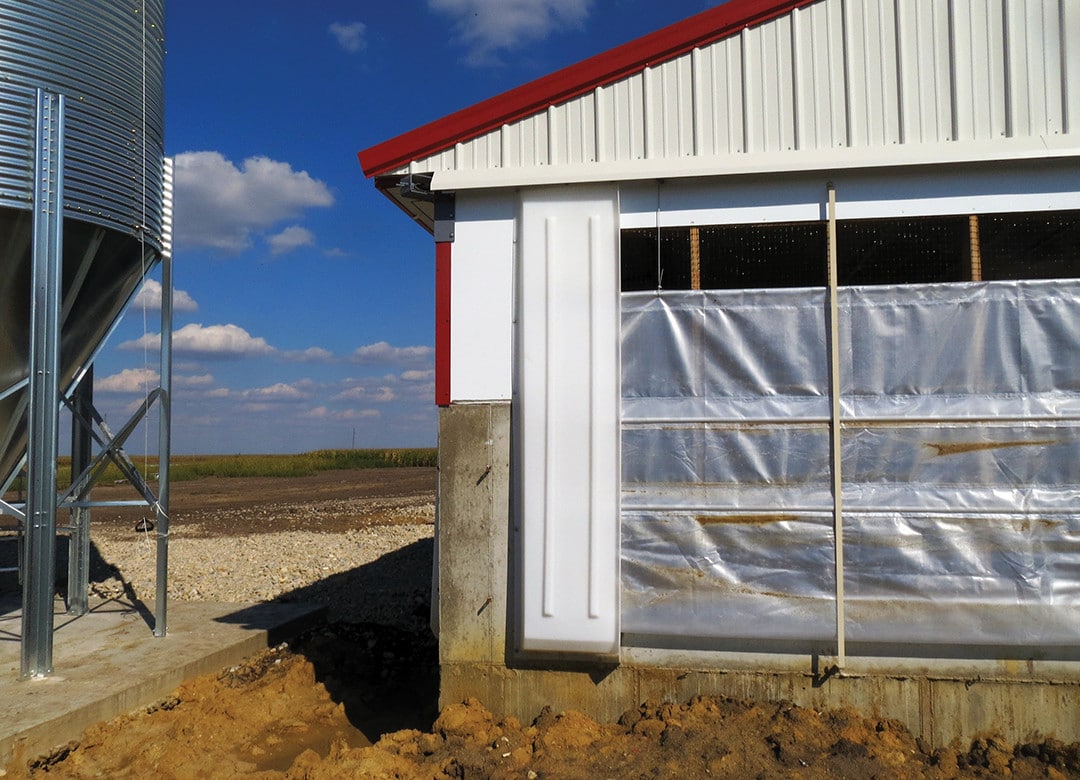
(184, 467)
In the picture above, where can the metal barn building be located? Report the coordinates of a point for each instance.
(757, 359)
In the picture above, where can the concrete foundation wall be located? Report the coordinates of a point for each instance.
(940, 711)
(940, 700)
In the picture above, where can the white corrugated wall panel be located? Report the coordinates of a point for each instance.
(1033, 54)
(947, 76)
(873, 93)
(527, 142)
(820, 96)
(671, 108)
(623, 110)
(1070, 51)
(483, 152)
(924, 71)
(768, 91)
(571, 133)
(979, 70)
(720, 107)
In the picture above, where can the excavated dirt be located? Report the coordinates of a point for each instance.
(312, 709)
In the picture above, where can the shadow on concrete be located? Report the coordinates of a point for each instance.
(100, 571)
(375, 651)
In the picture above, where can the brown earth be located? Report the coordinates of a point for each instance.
(311, 709)
(194, 500)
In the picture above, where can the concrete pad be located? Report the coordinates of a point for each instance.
(108, 662)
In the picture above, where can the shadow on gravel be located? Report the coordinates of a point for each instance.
(376, 653)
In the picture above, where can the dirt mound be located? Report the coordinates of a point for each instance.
(311, 711)
(707, 737)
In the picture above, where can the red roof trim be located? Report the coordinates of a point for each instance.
(570, 82)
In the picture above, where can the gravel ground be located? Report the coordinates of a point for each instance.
(379, 571)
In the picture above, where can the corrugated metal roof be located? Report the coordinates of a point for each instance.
(778, 86)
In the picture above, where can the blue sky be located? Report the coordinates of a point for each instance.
(304, 316)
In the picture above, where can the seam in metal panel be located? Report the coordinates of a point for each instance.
(1063, 49)
(744, 69)
(1007, 47)
(647, 129)
(552, 135)
(696, 103)
(953, 89)
(901, 112)
(797, 110)
(845, 37)
(599, 126)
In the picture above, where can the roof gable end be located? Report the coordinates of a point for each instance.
(665, 44)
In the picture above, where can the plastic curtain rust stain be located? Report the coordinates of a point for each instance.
(957, 448)
(745, 519)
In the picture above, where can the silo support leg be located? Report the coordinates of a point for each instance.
(79, 540)
(161, 600)
(46, 280)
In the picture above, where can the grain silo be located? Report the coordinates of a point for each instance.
(84, 216)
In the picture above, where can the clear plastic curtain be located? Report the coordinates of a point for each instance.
(960, 458)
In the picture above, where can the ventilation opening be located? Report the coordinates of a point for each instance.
(902, 250)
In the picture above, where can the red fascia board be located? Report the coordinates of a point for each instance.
(570, 82)
(443, 255)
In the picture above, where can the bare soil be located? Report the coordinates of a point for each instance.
(192, 502)
(313, 708)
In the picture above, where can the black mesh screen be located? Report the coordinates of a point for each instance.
(753, 256)
(1038, 245)
(653, 259)
(909, 250)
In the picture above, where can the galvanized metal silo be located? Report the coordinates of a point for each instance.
(106, 59)
(84, 215)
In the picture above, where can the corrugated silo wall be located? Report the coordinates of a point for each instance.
(106, 59)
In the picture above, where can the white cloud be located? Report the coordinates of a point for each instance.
(309, 355)
(351, 37)
(292, 237)
(219, 205)
(418, 376)
(486, 27)
(149, 297)
(382, 353)
(323, 413)
(259, 396)
(277, 392)
(195, 382)
(211, 341)
(130, 380)
(382, 394)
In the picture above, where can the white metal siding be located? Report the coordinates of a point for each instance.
(1035, 185)
(481, 298)
(888, 75)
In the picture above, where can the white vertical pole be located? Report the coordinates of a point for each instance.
(837, 454)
